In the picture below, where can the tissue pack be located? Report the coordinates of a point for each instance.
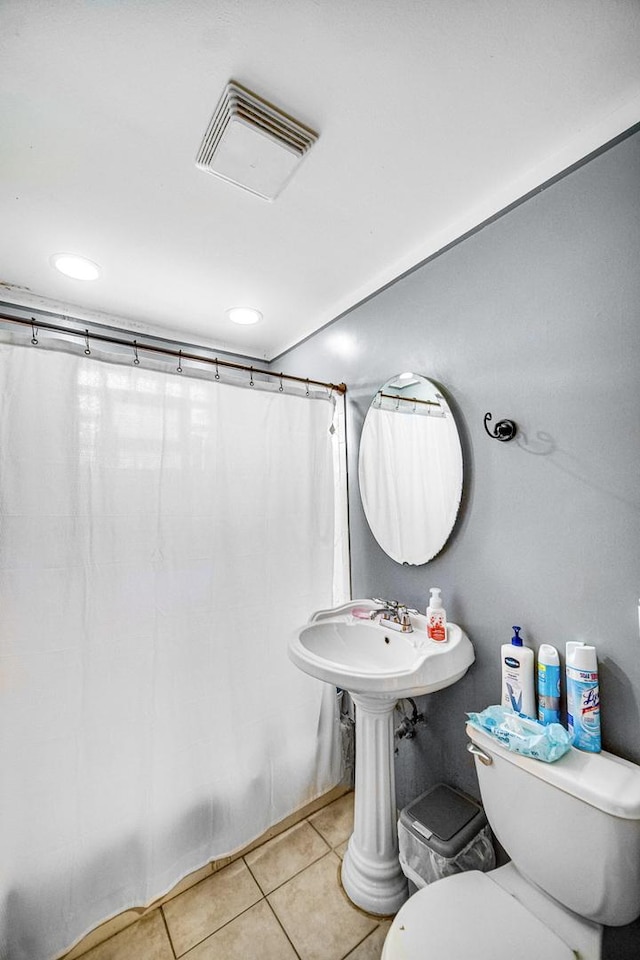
(520, 734)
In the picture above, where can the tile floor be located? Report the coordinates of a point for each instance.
(281, 901)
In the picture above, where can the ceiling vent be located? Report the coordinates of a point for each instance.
(252, 144)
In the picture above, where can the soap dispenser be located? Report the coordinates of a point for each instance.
(436, 617)
(517, 676)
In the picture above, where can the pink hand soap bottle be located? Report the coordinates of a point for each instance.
(436, 617)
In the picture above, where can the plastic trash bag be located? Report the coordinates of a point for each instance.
(523, 735)
(422, 865)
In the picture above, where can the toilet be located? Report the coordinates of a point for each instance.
(572, 829)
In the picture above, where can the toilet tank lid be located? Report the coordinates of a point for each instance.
(600, 779)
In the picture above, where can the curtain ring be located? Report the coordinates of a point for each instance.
(86, 340)
(34, 332)
(179, 367)
(217, 375)
(307, 393)
(135, 350)
(251, 384)
(280, 388)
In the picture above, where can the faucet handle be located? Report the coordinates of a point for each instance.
(389, 604)
(403, 611)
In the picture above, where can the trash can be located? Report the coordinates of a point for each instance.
(441, 833)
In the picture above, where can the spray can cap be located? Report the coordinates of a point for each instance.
(435, 599)
(548, 655)
(516, 639)
(582, 656)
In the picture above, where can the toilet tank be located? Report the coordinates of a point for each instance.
(572, 827)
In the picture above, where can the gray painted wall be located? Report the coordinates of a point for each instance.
(536, 317)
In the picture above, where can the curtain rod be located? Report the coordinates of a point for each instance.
(136, 345)
(395, 396)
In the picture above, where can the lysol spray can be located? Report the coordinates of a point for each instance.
(583, 696)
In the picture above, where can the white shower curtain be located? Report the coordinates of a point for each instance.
(160, 538)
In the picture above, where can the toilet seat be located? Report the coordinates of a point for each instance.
(469, 917)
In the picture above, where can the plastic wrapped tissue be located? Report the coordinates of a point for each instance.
(523, 735)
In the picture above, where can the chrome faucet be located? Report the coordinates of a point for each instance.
(393, 614)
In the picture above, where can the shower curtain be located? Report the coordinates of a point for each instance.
(161, 536)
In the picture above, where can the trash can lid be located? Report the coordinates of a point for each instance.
(444, 818)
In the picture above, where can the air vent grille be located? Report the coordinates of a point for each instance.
(252, 144)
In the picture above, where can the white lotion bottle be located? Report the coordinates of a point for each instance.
(436, 617)
(518, 690)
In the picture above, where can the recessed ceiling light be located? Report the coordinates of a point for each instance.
(78, 268)
(244, 315)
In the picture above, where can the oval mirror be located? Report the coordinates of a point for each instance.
(410, 469)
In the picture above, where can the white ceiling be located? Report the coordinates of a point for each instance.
(432, 115)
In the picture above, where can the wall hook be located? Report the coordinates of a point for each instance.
(504, 429)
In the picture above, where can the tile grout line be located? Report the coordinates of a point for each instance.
(360, 942)
(340, 842)
(166, 926)
(280, 924)
(217, 930)
(268, 893)
(248, 866)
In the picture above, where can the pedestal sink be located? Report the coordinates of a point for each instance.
(378, 666)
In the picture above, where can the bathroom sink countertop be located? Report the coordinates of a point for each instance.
(369, 656)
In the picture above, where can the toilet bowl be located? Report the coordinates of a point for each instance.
(572, 829)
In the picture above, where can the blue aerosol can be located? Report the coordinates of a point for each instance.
(548, 684)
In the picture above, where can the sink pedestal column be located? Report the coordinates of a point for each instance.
(371, 873)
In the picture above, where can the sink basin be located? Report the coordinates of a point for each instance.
(367, 656)
(378, 666)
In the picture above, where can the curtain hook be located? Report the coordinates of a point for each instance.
(217, 376)
(398, 402)
(86, 340)
(415, 404)
(280, 388)
(251, 384)
(330, 391)
(34, 332)
(135, 350)
(307, 393)
(179, 367)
